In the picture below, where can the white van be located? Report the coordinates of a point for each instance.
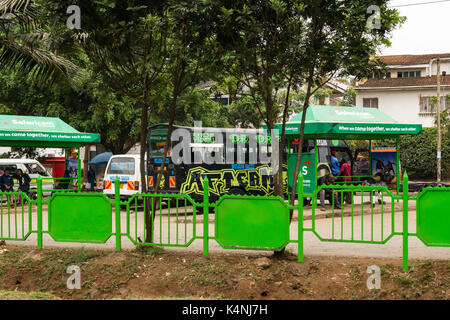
(31, 167)
(127, 168)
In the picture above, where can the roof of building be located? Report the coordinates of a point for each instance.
(405, 82)
(412, 59)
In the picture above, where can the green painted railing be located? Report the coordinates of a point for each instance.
(16, 210)
(240, 222)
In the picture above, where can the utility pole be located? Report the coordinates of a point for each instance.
(439, 120)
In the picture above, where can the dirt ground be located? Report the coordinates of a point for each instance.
(153, 273)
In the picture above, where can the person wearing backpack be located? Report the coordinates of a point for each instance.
(24, 182)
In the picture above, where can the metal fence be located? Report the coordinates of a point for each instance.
(240, 222)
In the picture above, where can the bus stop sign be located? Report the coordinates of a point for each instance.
(307, 169)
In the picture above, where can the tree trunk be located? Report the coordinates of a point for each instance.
(169, 134)
(143, 170)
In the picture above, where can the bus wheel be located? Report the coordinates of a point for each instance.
(237, 191)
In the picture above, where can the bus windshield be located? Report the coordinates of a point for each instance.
(157, 143)
(121, 166)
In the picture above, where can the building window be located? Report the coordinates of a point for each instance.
(429, 105)
(370, 103)
(379, 75)
(409, 74)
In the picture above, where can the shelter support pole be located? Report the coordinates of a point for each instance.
(316, 152)
(205, 215)
(397, 169)
(405, 222)
(300, 217)
(79, 170)
(39, 212)
(370, 157)
(65, 159)
(287, 162)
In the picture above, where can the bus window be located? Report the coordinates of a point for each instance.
(122, 166)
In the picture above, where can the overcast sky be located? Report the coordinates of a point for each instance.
(426, 29)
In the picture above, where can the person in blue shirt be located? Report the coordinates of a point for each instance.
(7, 184)
(335, 166)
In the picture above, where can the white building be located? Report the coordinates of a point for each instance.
(406, 90)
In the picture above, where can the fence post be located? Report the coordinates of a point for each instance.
(205, 215)
(300, 217)
(405, 222)
(39, 212)
(117, 204)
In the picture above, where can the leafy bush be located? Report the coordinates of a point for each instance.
(418, 153)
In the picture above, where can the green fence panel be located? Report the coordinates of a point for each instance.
(16, 210)
(171, 219)
(80, 217)
(433, 217)
(246, 222)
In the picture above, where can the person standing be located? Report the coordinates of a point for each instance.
(335, 167)
(326, 178)
(91, 178)
(24, 182)
(345, 173)
(7, 184)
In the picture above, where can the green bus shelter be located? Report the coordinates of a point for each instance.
(43, 132)
(343, 123)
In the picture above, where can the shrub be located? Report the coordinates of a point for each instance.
(418, 153)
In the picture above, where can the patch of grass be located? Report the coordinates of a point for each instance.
(87, 284)
(355, 273)
(130, 266)
(426, 278)
(150, 251)
(428, 264)
(405, 281)
(384, 272)
(82, 255)
(17, 295)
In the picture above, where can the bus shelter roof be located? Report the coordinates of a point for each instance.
(347, 123)
(41, 132)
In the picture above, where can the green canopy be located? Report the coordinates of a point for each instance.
(347, 123)
(27, 131)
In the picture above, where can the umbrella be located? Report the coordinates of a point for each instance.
(101, 158)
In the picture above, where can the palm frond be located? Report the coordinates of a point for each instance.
(26, 46)
(10, 6)
(42, 65)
